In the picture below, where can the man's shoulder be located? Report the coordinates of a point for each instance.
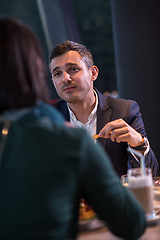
(119, 107)
(123, 108)
(114, 101)
(121, 104)
(58, 103)
(120, 101)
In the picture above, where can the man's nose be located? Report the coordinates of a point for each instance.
(66, 77)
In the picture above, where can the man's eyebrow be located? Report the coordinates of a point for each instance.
(71, 64)
(54, 69)
(67, 64)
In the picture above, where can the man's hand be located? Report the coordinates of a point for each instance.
(119, 131)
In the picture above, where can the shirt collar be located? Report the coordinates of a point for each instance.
(92, 114)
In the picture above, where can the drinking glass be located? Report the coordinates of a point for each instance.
(140, 184)
(156, 189)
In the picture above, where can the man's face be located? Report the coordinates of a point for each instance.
(71, 77)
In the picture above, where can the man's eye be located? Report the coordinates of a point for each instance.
(57, 74)
(74, 69)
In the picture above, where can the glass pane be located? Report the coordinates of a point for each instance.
(94, 23)
(27, 11)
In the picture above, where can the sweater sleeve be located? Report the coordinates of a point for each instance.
(103, 190)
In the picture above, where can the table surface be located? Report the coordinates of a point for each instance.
(103, 233)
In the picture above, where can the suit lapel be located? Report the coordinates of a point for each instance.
(103, 115)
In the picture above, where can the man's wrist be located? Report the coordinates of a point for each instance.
(143, 146)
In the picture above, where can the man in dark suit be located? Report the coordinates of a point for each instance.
(117, 122)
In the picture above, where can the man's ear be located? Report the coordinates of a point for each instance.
(95, 71)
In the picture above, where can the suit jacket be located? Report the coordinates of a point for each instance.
(110, 109)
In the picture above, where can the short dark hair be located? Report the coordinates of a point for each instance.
(67, 46)
(22, 81)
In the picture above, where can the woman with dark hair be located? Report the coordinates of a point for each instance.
(22, 70)
(46, 167)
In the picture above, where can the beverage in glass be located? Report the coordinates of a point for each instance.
(140, 185)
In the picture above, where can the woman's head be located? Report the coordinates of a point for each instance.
(22, 71)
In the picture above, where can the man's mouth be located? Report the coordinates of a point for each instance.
(68, 89)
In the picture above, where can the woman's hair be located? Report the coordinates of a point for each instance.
(22, 70)
(67, 46)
